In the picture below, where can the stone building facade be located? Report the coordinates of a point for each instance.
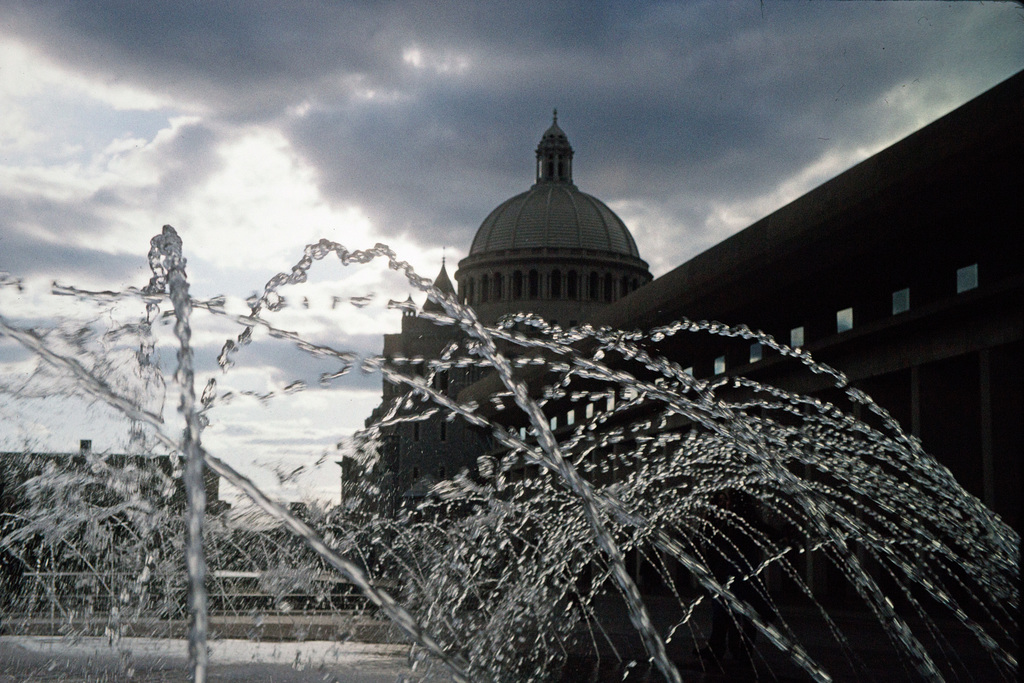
(554, 251)
(905, 272)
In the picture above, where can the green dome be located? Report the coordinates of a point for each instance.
(554, 215)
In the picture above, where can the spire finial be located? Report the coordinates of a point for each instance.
(554, 154)
(442, 255)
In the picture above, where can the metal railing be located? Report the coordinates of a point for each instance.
(63, 602)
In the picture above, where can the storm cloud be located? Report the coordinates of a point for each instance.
(256, 128)
(425, 115)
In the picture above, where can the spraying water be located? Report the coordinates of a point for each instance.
(500, 572)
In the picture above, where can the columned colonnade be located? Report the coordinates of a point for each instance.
(523, 284)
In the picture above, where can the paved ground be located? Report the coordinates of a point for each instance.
(93, 660)
(868, 656)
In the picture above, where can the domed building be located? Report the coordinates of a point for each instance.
(552, 250)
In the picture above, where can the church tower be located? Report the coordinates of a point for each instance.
(552, 250)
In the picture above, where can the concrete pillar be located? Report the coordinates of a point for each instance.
(810, 570)
(915, 400)
(858, 412)
(988, 482)
(636, 567)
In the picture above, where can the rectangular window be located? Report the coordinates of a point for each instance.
(590, 410)
(610, 405)
(522, 433)
(901, 301)
(444, 430)
(720, 365)
(796, 337)
(570, 418)
(554, 423)
(416, 431)
(967, 278)
(441, 472)
(844, 320)
(755, 352)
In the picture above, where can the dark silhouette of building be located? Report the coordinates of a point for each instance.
(17, 467)
(905, 272)
(552, 250)
(416, 454)
(92, 485)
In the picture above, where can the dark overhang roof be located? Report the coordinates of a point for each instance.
(965, 152)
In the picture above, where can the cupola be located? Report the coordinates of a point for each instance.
(553, 250)
(554, 155)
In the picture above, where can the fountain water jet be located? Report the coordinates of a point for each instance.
(813, 467)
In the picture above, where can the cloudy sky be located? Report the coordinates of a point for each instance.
(257, 127)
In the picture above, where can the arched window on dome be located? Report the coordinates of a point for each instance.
(572, 285)
(607, 286)
(556, 284)
(594, 286)
(517, 285)
(485, 286)
(499, 286)
(623, 286)
(469, 291)
(634, 285)
(534, 284)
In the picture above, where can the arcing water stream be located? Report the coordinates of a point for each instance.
(499, 571)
